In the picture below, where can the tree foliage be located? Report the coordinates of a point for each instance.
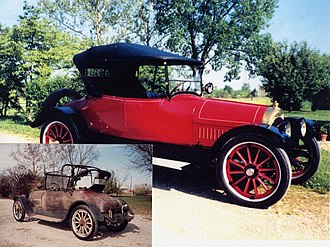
(220, 33)
(38, 159)
(11, 70)
(104, 20)
(140, 156)
(115, 183)
(293, 73)
(30, 52)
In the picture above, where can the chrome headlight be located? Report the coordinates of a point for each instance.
(303, 127)
(285, 127)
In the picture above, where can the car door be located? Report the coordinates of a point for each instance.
(143, 118)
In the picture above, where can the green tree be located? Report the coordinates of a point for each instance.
(46, 49)
(228, 89)
(11, 71)
(100, 21)
(293, 73)
(222, 33)
(115, 183)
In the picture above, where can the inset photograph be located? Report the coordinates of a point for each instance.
(75, 194)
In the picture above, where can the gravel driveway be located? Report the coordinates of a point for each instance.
(186, 210)
(40, 233)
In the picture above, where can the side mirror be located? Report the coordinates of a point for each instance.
(208, 88)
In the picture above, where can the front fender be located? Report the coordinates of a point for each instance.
(93, 208)
(280, 139)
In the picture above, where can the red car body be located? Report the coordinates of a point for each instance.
(182, 120)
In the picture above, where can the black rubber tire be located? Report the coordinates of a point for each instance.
(313, 157)
(18, 211)
(76, 131)
(231, 176)
(117, 227)
(91, 231)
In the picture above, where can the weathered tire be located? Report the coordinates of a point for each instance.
(61, 129)
(18, 210)
(118, 227)
(253, 171)
(306, 160)
(83, 223)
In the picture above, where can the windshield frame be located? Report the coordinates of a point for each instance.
(169, 91)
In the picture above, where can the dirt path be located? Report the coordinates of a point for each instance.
(12, 138)
(40, 233)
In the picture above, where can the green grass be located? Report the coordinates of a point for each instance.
(139, 204)
(15, 125)
(321, 181)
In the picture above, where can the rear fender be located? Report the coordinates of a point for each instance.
(50, 111)
(271, 132)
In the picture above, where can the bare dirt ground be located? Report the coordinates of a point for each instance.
(187, 211)
(11, 138)
(40, 233)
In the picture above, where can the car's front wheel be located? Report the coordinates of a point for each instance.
(60, 129)
(305, 160)
(18, 210)
(83, 223)
(119, 224)
(253, 171)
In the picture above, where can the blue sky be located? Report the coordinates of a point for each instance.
(112, 157)
(294, 20)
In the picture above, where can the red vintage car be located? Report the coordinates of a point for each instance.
(136, 93)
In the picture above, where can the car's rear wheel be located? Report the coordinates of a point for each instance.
(119, 225)
(83, 224)
(18, 210)
(60, 129)
(253, 171)
(305, 160)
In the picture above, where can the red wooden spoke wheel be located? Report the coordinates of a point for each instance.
(305, 160)
(253, 171)
(61, 129)
(57, 132)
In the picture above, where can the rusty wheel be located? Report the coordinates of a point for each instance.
(18, 210)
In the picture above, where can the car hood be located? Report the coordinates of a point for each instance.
(228, 114)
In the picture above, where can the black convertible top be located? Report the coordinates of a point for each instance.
(126, 52)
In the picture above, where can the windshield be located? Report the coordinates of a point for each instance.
(183, 78)
(168, 80)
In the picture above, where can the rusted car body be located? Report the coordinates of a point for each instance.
(84, 207)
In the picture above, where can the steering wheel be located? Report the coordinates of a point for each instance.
(177, 86)
(54, 186)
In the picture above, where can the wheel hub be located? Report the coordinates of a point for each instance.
(251, 171)
(82, 223)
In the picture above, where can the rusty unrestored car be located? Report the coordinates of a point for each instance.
(74, 194)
